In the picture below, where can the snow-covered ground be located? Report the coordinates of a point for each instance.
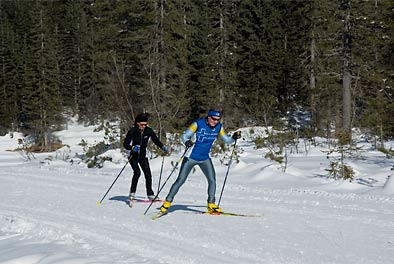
(48, 211)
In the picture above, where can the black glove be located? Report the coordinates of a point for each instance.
(237, 135)
(189, 143)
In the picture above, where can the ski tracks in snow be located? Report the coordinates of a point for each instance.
(58, 205)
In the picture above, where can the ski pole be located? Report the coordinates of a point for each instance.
(161, 188)
(161, 172)
(99, 203)
(228, 169)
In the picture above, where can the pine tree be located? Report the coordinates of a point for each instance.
(73, 35)
(167, 68)
(256, 60)
(296, 24)
(260, 49)
(220, 60)
(42, 101)
(121, 36)
(207, 54)
(201, 90)
(8, 70)
(325, 69)
(373, 25)
(346, 72)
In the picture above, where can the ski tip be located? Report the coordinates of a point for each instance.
(157, 216)
(98, 203)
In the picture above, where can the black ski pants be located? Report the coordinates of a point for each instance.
(143, 162)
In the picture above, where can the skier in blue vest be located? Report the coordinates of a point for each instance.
(205, 131)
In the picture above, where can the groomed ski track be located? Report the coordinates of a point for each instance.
(57, 204)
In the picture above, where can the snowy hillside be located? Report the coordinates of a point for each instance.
(48, 210)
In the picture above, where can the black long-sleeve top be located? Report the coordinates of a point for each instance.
(136, 137)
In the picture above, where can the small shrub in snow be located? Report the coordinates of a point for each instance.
(97, 162)
(275, 156)
(218, 148)
(259, 142)
(338, 171)
(63, 153)
(389, 152)
(277, 144)
(94, 155)
(25, 147)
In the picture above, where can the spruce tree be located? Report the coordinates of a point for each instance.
(260, 50)
(373, 26)
(8, 70)
(167, 64)
(326, 65)
(42, 101)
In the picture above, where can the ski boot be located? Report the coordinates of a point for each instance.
(165, 206)
(153, 198)
(213, 209)
(131, 198)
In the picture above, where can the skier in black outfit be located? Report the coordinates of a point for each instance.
(136, 141)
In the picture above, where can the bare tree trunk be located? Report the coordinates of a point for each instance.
(43, 116)
(312, 76)
(157, 67)
(222, 56)
(162, 85)
(120, 74)
(77, 86)
(347, 78)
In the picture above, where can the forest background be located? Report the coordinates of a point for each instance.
(260, 61)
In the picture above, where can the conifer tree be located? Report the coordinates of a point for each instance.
(256, 60)
(373, 25)
(73, 34)
(121, 36)
(166, 64)
(42, 105)
(260, 50)
(325, 69)
(8, 70)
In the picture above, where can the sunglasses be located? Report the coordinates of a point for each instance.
(142, 124)
(215, 119)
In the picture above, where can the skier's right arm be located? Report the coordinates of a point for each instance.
(128, 139)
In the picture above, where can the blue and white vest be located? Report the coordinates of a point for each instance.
(205, 137)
